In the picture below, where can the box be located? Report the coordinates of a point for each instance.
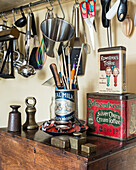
(112, 115)
(112, 70)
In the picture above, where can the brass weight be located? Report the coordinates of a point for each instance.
(30, 123)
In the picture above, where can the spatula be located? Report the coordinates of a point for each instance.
(77, 45)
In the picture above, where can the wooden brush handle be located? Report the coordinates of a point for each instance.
(55, 75)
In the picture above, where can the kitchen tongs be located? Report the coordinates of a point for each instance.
(9, 34)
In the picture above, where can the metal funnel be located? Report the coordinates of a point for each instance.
(56, 33)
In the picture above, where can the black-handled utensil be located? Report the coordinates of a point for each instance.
(33, 25)
(105, 22)
(105, 8)
(22, 21)
(122, 10)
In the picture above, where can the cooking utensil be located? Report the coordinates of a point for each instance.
(18, 56)
(32, 60)
(113, 10)
(86, 45)
(22, 21)
(7, 67)
(85, 14)
(56, 33)
(127, 26)
(122, 10)
(105, 22)
(27, 70)
(76, 45)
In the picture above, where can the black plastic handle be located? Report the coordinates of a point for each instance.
(105, 8)
(122, 10)
(22, 12)
(33, 25)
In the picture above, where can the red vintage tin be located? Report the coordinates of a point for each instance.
(112, 115)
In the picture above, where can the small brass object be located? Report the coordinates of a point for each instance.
(60, 141)
(77, 141)
(88, 148)
(30, 123)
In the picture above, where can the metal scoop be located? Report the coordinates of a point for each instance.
(27, 70)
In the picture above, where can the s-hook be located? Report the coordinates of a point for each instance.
(30, 7)
(5, 20)
(61, 10)
(50, 5)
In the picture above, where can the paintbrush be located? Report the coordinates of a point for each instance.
(65, 66)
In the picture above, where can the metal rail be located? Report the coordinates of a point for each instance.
(24, 6)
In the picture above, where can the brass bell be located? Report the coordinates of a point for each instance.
(30, 123)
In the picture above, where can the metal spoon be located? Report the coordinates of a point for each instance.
(87, 47)
(27, 70)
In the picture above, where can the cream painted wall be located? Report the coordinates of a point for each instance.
(16, 90)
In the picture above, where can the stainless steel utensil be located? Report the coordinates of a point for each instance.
(87, 47)
(27, 70)
(56, 33)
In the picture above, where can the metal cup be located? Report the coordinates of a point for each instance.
(56, 33)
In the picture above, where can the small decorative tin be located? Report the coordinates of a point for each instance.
(65, 105)
(112, 115)
(112, 70)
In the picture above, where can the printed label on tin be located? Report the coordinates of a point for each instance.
(65, 105)
(112, 72)
(107, 117)
(131, 124)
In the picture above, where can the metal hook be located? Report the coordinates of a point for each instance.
(61, 10)
(13, 12)
(50, 5)
(6, 19)
(30, 7)
(76, 2)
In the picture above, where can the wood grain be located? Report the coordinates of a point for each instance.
(22, 153)
(31, 150)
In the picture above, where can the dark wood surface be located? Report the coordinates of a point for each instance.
(32, 150)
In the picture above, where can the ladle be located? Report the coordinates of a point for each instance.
(18, 56)
(27, 70)
(22, 21)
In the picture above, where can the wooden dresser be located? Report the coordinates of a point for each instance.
(31, 150)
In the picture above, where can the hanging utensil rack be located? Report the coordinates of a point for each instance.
(24, 7)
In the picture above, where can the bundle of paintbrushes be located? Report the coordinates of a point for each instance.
(64, 77)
